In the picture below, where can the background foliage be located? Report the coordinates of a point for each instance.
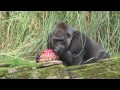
(24, 33)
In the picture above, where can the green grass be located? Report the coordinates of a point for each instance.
(24, 33)
(16, 62)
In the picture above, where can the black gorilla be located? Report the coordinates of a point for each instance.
(74, 47)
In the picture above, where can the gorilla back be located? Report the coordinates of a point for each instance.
(74, 47)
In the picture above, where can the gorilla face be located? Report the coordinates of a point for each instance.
(61, 38)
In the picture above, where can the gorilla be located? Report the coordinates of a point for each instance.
(74, 47)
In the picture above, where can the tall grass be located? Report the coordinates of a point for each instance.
(24, 33)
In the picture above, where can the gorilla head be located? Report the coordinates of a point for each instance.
(74, 47)
(61, 38)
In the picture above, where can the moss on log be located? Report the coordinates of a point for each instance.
(104, 69)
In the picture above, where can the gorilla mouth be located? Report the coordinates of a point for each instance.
(59, 49)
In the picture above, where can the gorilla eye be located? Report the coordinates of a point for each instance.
(58, 40)
(68, 35)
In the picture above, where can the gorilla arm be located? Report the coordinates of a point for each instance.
(74, 54)
(69, 59)
(66, 58)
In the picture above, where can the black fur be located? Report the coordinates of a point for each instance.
(74, 47)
